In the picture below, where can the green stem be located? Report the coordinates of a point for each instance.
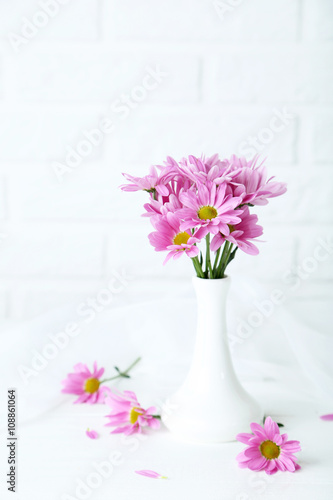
(198, 267)
(220, 265)
(226, 259)
(216, 260)
(121, 374)
(209, 269)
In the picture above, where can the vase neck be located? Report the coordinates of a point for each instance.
(211, 352)
(211, 298)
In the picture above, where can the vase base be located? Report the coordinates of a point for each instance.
(204, 425)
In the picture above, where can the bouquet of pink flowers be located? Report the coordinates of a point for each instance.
(197, 198)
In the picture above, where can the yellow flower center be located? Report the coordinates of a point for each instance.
(269, 450)
(207, 213)
(134, 415)
(181, 238)
(92, 385)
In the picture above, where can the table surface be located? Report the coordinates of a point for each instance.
(284, 364)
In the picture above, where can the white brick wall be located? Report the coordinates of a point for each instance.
(188, 20)
(232, 71)
(71, 20)
(82, 75)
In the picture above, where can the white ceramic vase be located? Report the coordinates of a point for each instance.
(211, 406)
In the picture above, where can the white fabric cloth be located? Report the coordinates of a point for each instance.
(285, 363)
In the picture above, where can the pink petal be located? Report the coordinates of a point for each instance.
(80, 367)
(142, 420)
(150, 473)
(284, 438)
(154, 423)
(271, 465)
(258, 431)
(327, 417)
(118, 417)
(252, 452)
(257, 463)
(272, 471)
(92, 434)
(291, 446)
(255, 441)
(244, 437)
(163, 190)
(241, 457)
(124, 428)
(82, 399)
(287, 462)
(152, 410)
(73, 390)
(277, 439)
(280, 465)
(131, 395)
(243, 465)
(93, 398)
(115, 422)
(271, 428)
(133, 429)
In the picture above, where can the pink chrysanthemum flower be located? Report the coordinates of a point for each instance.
(240, 234)
(169, 236)
(155, 207)
(210, 209)
(150, 183)
(171, 203)
(254, 179)
(202, 170)
(128, 414)
(267, 449)
(86, 384)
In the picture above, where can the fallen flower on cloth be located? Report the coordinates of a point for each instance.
(128, 414)
(329, 416)
(87, 385)
(92, 434)
(268, 450)
(150, 473)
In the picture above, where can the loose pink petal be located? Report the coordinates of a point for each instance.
(92, 434)
(150, 473)
(329, 416)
